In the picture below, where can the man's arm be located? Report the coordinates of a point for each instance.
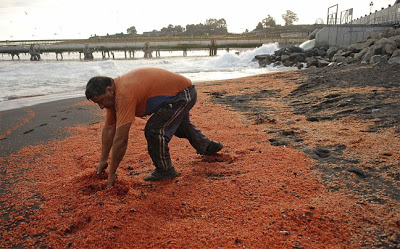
(119, 146)
(106, 144)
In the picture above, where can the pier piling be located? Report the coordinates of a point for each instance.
(35, 52)
(14, 54)
(60, 55)
(148, 52)
(213, 48)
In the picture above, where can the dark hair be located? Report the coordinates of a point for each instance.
(97, 86)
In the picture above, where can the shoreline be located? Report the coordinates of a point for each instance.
(43, 122)
(199, 69)
(27, 101)
(304, 166)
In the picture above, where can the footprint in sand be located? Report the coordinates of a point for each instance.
(29, 131)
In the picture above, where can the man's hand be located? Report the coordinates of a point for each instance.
(101, 167)
(118, 151)
(111, 179)
(107, 141)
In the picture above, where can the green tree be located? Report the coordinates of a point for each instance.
(218, 27)
(131, 30)
(195, 29)
(172, 30)
(290, 17)
(211, 27)
(214, 23)
(268, 22)
(259, 26)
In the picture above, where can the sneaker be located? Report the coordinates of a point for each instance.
(213, 148)
(159, 175)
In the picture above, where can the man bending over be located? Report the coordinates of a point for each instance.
(167, 96)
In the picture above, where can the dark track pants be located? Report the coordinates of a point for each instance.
(173, 119)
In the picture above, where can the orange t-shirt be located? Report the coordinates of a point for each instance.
(142, 91)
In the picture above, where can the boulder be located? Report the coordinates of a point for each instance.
(350, 60)
(299, 65)
(376, 36)
(394, 60)
(378, 48)
(300, 57)
(308, 53)
(368, 54)
(392, 32)
(279, 52)
(395, 40)
(311, 61)
(285, 58)
(389, 49)
(319, 52)
(347, 53)
(295, 49)
(371, 51)
(396, 53)
(323, 63)
(377, 59)
(360, 55)
(288, 63)
(263, 59)
(388, 33)
(356, 48)
(325, 47)
(338, 58)
(332, 51)
(381, 42)
(369, 42)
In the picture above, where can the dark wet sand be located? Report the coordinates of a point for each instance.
(43, 122)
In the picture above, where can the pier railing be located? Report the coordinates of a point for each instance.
(389, 15)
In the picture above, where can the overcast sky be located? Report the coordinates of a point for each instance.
(63, 19)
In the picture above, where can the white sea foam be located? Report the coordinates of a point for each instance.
(54, 80)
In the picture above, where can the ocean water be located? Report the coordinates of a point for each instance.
(25, 83)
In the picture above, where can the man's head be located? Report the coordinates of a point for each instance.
(100, 90)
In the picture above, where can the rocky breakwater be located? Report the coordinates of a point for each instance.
(382, 47)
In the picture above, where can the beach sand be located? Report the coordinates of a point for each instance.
(43, 122)
(310, 160)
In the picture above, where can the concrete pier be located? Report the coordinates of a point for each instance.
(129, 46)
